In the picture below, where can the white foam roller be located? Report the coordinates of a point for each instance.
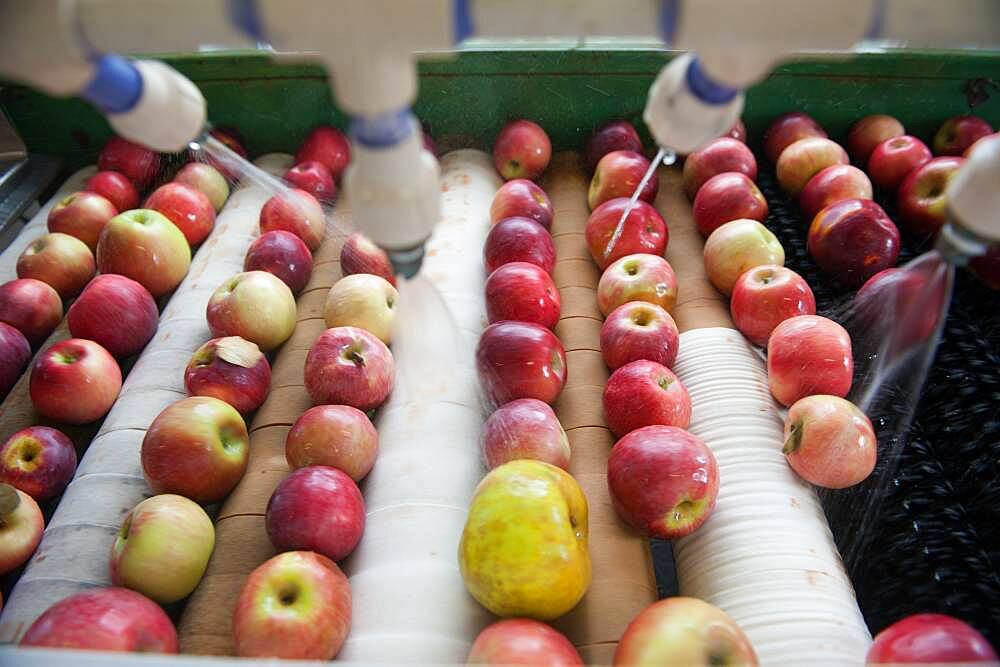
(766, 554)
(74, 551)
(410, 604)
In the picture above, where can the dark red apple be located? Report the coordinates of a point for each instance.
(83, 215)
(519, 240)
(116, 188)
(618, 174)
(835, 183)
(15, 353)
(893, 159)
(38, 460)
(765, 296)
(868, 133)
(188, 208)
(521, 198)
(923, 206)
(786, 129)
(639, 330)
(138, 163)
(618, 135)
(523, 292)
(360, 254)
(520, 360)
(32, 307)
(930, 639)
(282, 254)
(852, 240)
(232, 370)
(233, 140)
(724, 197)
(328, 145)
(116, 312)
(958, 133)
(521, 150)
(722, 155)
(901, 306)
(315, 178)
(644, 231)
(645, 393)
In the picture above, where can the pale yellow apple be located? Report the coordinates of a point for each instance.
(736, 247)
(362, 300)
(523, 551)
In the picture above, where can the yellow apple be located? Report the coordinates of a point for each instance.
(523, 551)
(362, 300)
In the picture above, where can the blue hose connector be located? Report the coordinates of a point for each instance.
(383, 130)
(116, 86)
(706, 88)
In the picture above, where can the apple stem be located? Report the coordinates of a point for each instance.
(794, 438)
(9, 502)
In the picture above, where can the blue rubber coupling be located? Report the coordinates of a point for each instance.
(706, 88)
(116, 86)
(383, 130)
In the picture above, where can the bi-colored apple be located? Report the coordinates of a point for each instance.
(808, 355)
(21, 527)
(327, 145)
(522, 641)
(82, 215)
(538, 565)
(788, 128)
(295, 211)
(254, 305)
(349, 366)
(282, 254)
(618, 135)
(724, 197)
(365, 301)
(74, 381)
(519, 240)
(162, 548)
(206, 179)
(38, 460)
(922, 203)
(833, 184)
(145, 246)
(524, 429)
(639, 330)
(765, 296)
(618, 174)
(804, 159)
(231, 165)
(893, 159)
(196, 448)
(521, 198)
(116, 312)
(32, 307)
(313, 177)
(720, 156)
(901, 307)
(645, 393)
(360, 254)
(520, 360)
(958, 133)
(829, 441)
(968, 151)
(644, 231)
(116, 188)
(317, 508)
(15, 353)
(735, 248)
(230, 369)
(868, 133)
(852, 240)
(663, 481)
(523, 292)
(138, 163)
(521, 150)
(185, 206)
(333, 435)
(930, 639)
(297, 605)
(60, 260)
(639, 277)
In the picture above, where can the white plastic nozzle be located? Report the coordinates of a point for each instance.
(974, 193)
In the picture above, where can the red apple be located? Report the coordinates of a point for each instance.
(521, 198)
(765, 296)
(196, 448)
(735, 248)
(15, 353)
(929, 639)
(738, 131)
(987, 267)
(683, 631)
(116, 312)
(232, 370)
(233, 140)
(618, 135)
(524, 429)
(644, 231)
(21, 527)
(852, 240)
(786, 129)
(295, 211)
(722, 155)
(297, 605)
(663, 481)
(519, 240)
(893, 159)
(804, 159)
(185, 206)
(316, 508)
(206, 179)
(639, 330)
(520, 360)
(349, 366)
(283, 255)
(808, 355)
(74, 381)
(901, 306)
(968, 151)
(521, 150)
(104, 619)
(359, 254)
(522, 641)
(38, 460)
(82, 215)
(253, 305)
(137, 163)
(644, 393)
(829, 442)
(30, 306)
(313, 177)
(639, 277)
(327, 145)
(922, 202)
(333, 435)
(868, 133)
(116, 188)
(60, 260)
(724, 197)
(618, 174)
(524, 292)
(147, 247)
(833, 184)
(958, 133)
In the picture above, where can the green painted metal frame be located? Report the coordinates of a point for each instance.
(465, 98)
